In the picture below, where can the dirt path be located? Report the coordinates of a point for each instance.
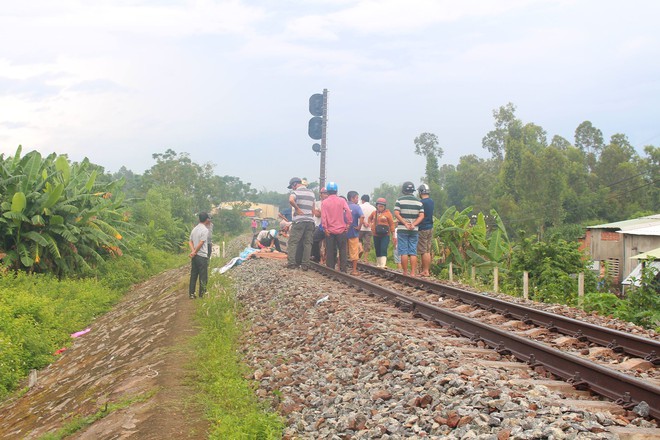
(135, 356)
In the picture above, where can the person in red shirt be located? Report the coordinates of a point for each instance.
(335, 218)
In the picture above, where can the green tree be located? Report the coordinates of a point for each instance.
(581, 195)
(590, 140)
(154, 221)
(559, 143)
(620, 178)
(55, 216)
(505, 123)
(389, 192)
(472, 183)
(650, 165)
(427, 145)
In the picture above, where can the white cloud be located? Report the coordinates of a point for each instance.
(391, 17)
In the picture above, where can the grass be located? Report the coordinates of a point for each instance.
(38, 312)
(227, 396)
(80, 422)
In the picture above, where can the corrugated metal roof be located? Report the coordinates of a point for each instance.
(654, 253)
(648, 231)
(635, 276)
(629, 225)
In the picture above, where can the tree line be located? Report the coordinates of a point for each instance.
(536, 185)
(67, 218)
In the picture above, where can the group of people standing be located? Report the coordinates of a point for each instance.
(348, 228)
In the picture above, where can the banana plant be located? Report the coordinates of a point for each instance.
(55, 216)
(466, 240)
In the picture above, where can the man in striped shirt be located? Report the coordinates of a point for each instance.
(410, 213)
(301, 233)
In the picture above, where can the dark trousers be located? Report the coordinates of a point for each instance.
(334, 243)
(319, 236)
(381, 243)
(199, 269)
(300, 236)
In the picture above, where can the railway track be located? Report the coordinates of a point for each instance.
(582, 373)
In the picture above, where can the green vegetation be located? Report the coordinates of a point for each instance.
(228, 397)
(38, 312)
(641, 305)
(535, 185)
(56, 218)
(80, 422)
(71, 242)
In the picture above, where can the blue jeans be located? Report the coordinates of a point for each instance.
(407, 242)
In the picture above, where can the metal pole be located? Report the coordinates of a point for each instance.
(323, 137)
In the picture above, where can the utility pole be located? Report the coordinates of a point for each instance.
(324, 147)
(318, 125)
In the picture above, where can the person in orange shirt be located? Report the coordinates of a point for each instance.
(382, 225)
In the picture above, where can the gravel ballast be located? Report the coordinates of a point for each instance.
(339, 364)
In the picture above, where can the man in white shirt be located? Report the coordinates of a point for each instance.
(365, 231)
(199, 255)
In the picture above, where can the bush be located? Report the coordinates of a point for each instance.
(601, 303)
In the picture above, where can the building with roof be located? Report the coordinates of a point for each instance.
(616, 246)
(256, 210)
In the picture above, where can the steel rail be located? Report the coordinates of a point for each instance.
(582, 374)
(618, 341)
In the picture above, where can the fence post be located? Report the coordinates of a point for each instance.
(581, 289)
(474, 274)
(526, 285)
(223, 249)
(496, 278)
(451, 271)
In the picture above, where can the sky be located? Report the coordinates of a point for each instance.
(228, 82)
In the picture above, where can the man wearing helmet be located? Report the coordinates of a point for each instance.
(335, 219)
(410, 213)
(268, 239)
(425, 229)
(302, 201)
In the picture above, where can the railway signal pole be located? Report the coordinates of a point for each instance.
(318, 107)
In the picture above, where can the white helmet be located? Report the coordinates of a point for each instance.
(272, 233)
(423, 189)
